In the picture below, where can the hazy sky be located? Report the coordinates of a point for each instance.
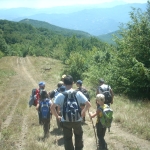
(52, 3)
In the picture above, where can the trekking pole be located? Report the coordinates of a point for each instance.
(94, 129)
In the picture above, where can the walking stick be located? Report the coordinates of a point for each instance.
(94, 130)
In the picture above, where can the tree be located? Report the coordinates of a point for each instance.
(148, 9)
(133, 49)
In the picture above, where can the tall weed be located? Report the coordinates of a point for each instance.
(132, 115)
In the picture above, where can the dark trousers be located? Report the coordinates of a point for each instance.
(100, 134)
(68, 129)
(46, 126)
(40, 119)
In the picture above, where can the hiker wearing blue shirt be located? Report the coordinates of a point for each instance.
(69, 103)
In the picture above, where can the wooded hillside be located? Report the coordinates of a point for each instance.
(124, 66)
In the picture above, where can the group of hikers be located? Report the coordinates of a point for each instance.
(69, 106)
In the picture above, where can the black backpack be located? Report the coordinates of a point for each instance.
(85, 92)
(106, 92)
(71, 108)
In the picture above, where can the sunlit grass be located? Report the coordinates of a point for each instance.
(16, 88)
(134, 116)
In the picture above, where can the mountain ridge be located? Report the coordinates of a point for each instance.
(95, 21)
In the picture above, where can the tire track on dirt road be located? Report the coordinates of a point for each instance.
(8, 120)
(24, 128)
(122, 140)
(9, 104)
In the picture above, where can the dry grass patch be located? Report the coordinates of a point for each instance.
(134, 116)
(18, 76)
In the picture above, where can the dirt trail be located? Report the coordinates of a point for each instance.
(22, 67)
(123, 140)
(31, 132)
(12, 104)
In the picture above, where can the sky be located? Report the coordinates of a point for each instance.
(53, 3)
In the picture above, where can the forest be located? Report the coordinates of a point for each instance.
(125, 65)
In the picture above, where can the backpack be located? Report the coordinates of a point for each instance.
(35, 95)
(54, 93)
(106, 92)
(44, 109)
(107, 117)
(71, 108)
(85, 92)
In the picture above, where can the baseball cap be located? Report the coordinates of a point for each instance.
(41, 83)
(79, 82)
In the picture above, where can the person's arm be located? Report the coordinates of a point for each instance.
(97, 91)
(111, 91)
(57, 102)
(92, 115)
(37, 107)
(50, 104)
(54, 112)
(87, 106)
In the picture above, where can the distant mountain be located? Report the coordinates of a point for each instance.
(56, 29)
(108, 38)
(14, 13)
(96, 21)
(92, 19)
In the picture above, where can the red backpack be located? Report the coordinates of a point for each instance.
(34, 98)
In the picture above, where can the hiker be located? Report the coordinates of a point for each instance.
(69, 103)
(43, 107)
(84, 91)
(41, 87)
(35, 96)
(100, 99)
(62, 78)
(54, 93)
(106, 90)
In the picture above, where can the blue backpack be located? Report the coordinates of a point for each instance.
(45, 109)
(71, 108)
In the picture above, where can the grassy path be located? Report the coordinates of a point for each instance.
(20, 129)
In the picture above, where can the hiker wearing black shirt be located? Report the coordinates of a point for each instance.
(84, 91)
